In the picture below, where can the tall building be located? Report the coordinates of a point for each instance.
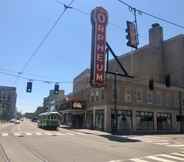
(53, 101)
(7, 102)
(136, 108)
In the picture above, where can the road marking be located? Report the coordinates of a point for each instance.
(116, 161)
(18, 134)
(172, 157)
(138, 160)
(159, 159)
(4, 134)
(83, 134)
(38, 133)
(71, 134)
(49, 134)
(60, 134)
(178, 154)
(175, 145)
(162, 143)
(28, 134)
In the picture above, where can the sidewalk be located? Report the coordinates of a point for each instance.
(4, 124)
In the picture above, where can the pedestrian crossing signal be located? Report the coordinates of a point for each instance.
(29, 87)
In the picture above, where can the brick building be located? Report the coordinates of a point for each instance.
(138, 108)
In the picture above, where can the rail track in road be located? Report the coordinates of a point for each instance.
(3, 155)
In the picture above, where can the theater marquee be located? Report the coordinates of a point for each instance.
(99, 19)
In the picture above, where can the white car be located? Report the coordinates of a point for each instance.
(17, 122)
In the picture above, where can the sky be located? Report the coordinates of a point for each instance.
(66, 52)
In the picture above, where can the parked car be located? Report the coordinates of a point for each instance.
(34, 119)
(12, 120)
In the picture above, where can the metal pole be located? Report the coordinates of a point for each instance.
(135, 20)
(115, 102)
(180, 112)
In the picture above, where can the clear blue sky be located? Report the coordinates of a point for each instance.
(67, 51)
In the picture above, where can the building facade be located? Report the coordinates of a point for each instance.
(8, 98)
(136, 108)
(53, 101)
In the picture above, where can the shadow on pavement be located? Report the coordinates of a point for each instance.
(119, 138)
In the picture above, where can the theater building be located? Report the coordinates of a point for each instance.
(139, 109)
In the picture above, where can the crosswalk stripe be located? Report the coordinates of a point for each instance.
(49, 134)
(159, 159)
(71, 134)
(138, 160)
(178, 154)
(4, 134)
(172, 157)
(116, 161)
(28, 134)
(162, 143)
(78, 133)
(60, 134)
(176, 145)
(38, 133)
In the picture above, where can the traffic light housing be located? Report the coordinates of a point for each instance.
(29, 87)
(56, 88)
(151, 84)
(131, 34)
(168, 80)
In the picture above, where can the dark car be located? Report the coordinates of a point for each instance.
(34, 119)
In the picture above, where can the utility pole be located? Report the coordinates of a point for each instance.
(115, 103)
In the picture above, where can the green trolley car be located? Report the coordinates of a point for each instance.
(49, 120)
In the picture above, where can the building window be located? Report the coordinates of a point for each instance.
(144, 120)
(168, 99)
(128, 95)
(164, 121)
(139, 95)
(124, 119)
(149, 97)
(158, 98)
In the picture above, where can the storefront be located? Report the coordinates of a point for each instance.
(144, 120)
(89, 119)
(99, 119)
(124, 120)
(164, 121)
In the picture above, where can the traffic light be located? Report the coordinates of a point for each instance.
(151, 84)
(167, 80)
(56, 88)
(132, 34)
(29, 87)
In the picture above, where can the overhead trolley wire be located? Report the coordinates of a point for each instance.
(151, 15)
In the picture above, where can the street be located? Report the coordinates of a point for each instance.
(26, 143)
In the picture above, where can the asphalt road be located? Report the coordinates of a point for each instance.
(26, 143)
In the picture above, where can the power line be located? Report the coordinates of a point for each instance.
(45, 37)
(34, 79)
(87, 14)
(151, 15)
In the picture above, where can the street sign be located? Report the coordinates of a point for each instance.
(99, 19)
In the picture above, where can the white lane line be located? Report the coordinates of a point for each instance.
(78, 133)
(178, 154)
(4, 134)
(175, 145)
(28, 134)
(38, 133)
(60, 134)
(164, 143)
(71, 134)
(17, 134)
(172, 157)
(138, 160)
(49, 134)
(159, 159)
